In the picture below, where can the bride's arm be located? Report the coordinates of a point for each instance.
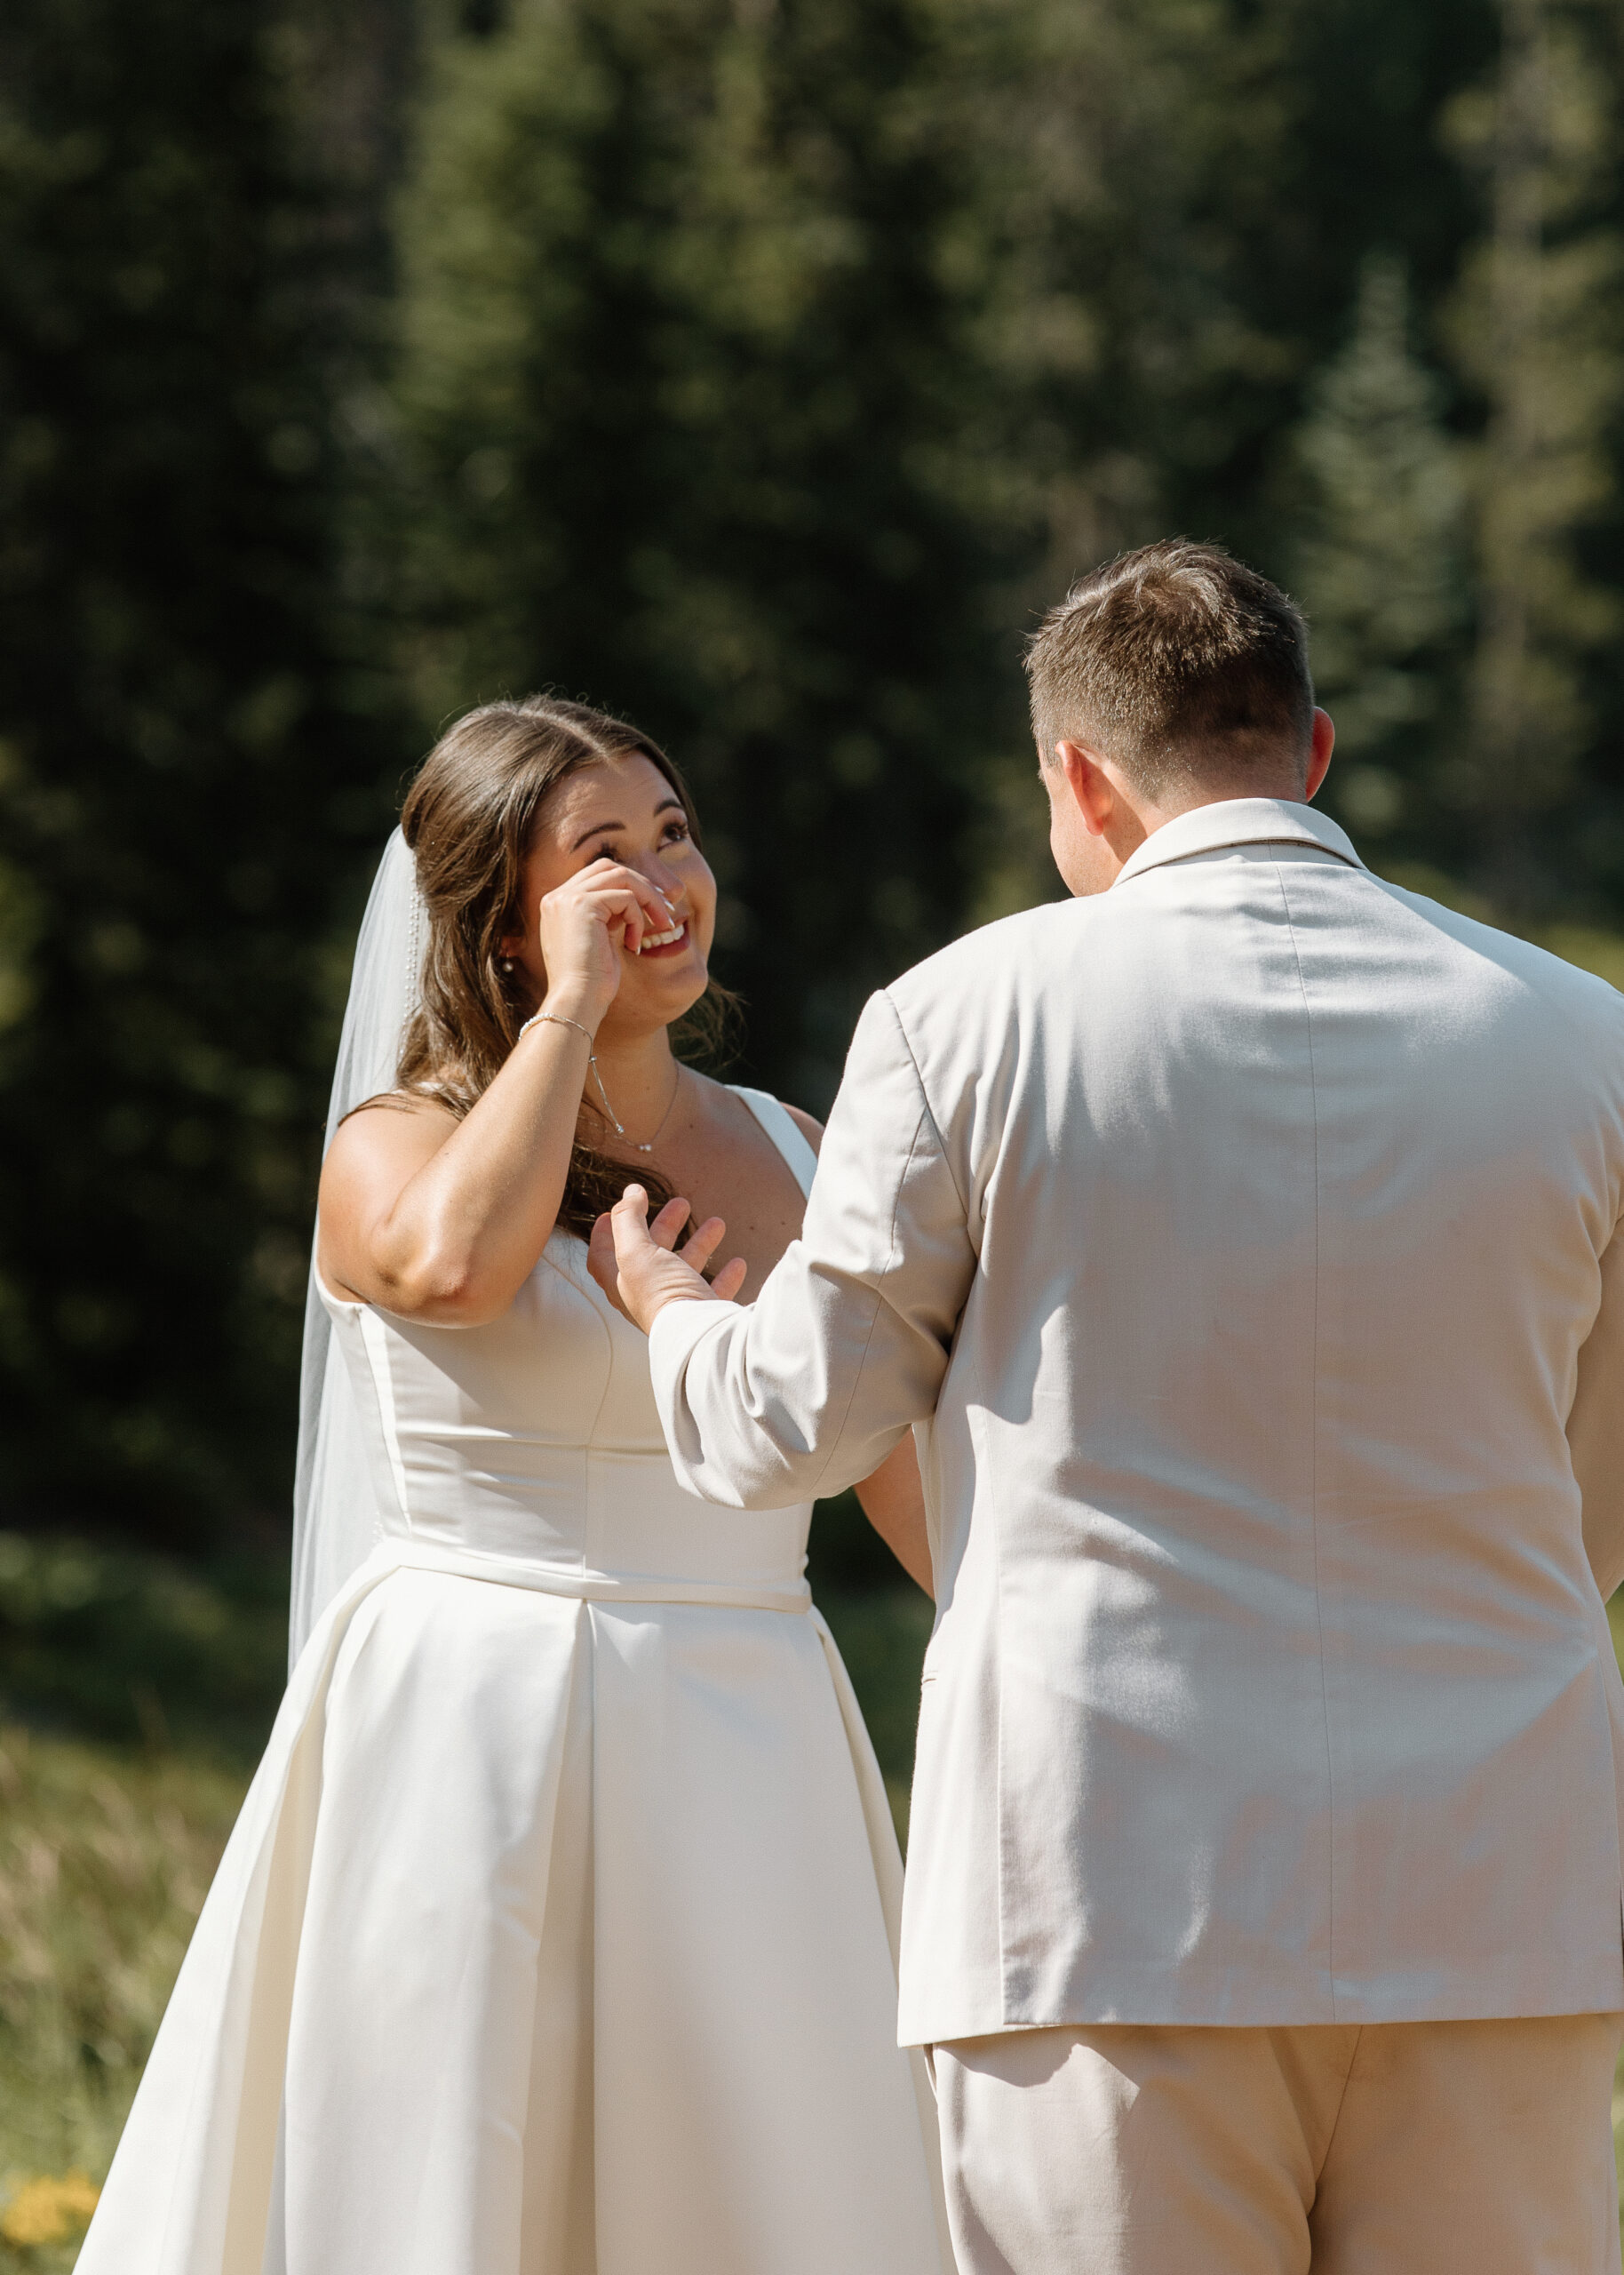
(893, 1499)
(441, 1219)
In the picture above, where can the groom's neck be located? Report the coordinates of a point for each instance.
(1100, 813)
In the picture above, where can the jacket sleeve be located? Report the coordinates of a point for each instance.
(805, 1391)
(1595, 1427)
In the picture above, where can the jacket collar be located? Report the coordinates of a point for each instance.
(1238, 821)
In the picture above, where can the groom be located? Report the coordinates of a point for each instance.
(1238, 1240)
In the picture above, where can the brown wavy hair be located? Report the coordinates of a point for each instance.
(469, 819)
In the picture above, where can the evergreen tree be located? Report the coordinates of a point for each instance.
(759, 368)
(684, 390)
(181, 763)
(1380, 563)
(1176, 204)
(1535, 333)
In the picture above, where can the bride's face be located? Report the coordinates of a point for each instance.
(626, 811)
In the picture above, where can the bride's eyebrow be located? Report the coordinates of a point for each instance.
(607, 828)
(598, 829)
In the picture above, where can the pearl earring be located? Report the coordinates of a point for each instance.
(507, 963)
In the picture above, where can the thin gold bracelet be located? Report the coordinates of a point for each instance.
(559, 1019)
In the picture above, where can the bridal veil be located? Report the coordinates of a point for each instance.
(335, 1512)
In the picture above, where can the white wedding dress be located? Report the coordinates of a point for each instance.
(557, 1936)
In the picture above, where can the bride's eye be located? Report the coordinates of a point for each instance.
(677, 833)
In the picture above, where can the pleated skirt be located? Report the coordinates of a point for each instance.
(556, 1937)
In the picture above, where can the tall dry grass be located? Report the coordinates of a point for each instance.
(105, 1857)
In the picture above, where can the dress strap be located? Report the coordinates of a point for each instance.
(780, 1126)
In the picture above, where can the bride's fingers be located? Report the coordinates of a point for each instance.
(669, 1223)
(634, 906)
(605, 871)
(625, 919)
(625, 915)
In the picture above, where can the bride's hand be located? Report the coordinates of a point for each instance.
(635, 1263)
(583, 926)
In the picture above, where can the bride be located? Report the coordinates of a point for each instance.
(557, 1932)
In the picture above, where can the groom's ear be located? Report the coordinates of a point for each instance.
(1319, 753)
(1089, 784)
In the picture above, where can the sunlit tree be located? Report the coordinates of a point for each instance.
(1381, 560)
(686, 379)
(1536, 335)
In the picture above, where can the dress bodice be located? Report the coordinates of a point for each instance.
(536, 1437)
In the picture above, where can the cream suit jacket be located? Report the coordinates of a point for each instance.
(1235, 1243)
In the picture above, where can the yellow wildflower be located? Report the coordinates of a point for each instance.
(48, 2210)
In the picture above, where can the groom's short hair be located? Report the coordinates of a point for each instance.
(1179, 663)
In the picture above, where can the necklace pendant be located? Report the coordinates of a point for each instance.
(619, 1126)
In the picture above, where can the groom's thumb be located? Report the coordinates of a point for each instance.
(629, 1222)
(630, 1213)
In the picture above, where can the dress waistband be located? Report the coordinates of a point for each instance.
(512, 1572)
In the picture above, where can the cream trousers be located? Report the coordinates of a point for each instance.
(1469, 2147)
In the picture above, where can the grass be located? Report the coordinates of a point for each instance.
(105, 1857)
(134, 1697)
(135, 1694)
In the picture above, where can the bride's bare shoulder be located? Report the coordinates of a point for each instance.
(375, 1153)
(398, 1128)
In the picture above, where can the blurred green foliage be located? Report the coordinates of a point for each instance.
(758, 368)
(179, 751)
(683, 419)
(126, 1646)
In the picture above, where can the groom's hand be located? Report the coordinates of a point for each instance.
(636, 1265)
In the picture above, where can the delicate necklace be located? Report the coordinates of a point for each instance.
(620, 1129)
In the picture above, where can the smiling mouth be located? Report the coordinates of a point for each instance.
(655, 942)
